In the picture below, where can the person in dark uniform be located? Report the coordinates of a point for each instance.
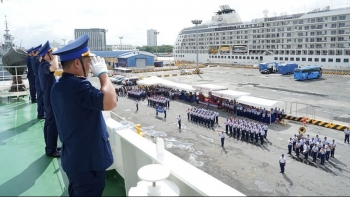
(179, 122)
(47, 79)
(39, 93)
(137, 105)
(30, 75)
(77, 105)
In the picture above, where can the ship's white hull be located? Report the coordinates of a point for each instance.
(204, 58)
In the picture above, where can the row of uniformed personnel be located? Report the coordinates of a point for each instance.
(203, 116)
(245, 129)
(76, 106)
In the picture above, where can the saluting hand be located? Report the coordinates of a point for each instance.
(98, 66)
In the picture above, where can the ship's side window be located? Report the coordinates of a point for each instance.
(281, 58)
(228, 57)
(232, 57)
(248, 57)
(323, 59)
(256, 57)
(276, 58)
(316, 59)
(292, 59)
(330, 59)
(286, 58)
(244, 57)
(303, 59)
(346, 60)
(309, 59)
(337, 60)
(240, 57)
(236, 57)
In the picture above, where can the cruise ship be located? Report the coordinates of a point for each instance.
(319, 37)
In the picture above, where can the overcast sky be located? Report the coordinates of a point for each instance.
(33, 22)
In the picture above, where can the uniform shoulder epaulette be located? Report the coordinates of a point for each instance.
(82, 77)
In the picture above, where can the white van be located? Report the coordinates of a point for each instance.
(133, 79)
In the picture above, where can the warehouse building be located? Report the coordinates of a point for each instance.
(129, 59)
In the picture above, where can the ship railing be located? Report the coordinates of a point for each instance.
(16, 85)
(132, 151)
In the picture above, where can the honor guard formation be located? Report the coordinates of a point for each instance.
(72, 109)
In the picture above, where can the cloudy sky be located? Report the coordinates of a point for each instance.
(32, 22)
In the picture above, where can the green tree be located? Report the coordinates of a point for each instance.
(153, 49)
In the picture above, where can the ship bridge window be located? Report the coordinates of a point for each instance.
(323, 59)
(303, 59)
(276, 58)
(286, 58)
(297, 59)
(248, 57)
(316, 59)
(342, 17)
(281, 58)
(337, 60)
(309, 59)
(292, 59)
(236, 57)
(346, 60)
(240, 57)
(330, 59)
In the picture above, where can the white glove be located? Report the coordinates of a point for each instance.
(98, 66)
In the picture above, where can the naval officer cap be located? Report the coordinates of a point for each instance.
(30, 50)
(45, 49)
(37, 48)
(75, 50)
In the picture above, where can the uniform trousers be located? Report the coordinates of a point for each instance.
(306, 154)
(222, 142)
(179, 122)
(327, 155)
(32, 89)
(332, 152)
(346, 138)
(86, 183)
(314, 154)
(322, 159)
(282, 167)
(289, 149)
(297, 151)
(40, 98)
(50, 131)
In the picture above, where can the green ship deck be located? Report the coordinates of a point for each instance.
(25, 169)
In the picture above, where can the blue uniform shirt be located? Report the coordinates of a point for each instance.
(35, 64)
(47, 79)
(77, 107)
(30, 72)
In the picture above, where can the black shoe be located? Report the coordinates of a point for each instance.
(34, 101)
(58, 148)
(55, 154)
(43, 117)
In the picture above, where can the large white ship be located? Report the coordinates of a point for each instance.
(320, 37)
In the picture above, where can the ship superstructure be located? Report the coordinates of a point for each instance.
(320, 37)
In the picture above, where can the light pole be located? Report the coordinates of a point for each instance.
(120, 38)
(197, 22)
(156, 33)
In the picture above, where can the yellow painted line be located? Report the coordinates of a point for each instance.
(321, 123)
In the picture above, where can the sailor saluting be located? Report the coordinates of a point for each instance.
(77, 105)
